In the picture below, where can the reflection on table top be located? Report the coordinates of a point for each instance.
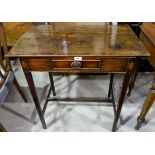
(89, 39)
(14, 30)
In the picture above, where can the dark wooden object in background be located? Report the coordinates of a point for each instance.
(5, 64)
(136, 27)
(6, 75)
(148, 38)
(81, 48)
(144, 64)
(14, 30)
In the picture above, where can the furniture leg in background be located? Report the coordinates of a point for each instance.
(6, 66)
(146, 107)
(147, 36)
(52, 88)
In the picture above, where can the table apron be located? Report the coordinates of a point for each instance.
(66, 64)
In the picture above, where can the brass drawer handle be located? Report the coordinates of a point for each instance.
(76, 64)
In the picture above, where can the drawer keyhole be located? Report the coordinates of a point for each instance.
(76, 64)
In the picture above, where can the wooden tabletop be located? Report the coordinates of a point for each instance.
(89, 39)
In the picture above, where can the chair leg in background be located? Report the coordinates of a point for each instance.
(146, 107)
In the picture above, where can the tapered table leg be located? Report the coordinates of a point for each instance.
(32, 88)
(146, 107)
(125, 85)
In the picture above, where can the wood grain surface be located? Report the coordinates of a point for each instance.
(86, 39)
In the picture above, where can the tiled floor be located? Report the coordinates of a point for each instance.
(18, 116)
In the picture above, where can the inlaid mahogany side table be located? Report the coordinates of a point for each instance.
(80, 48)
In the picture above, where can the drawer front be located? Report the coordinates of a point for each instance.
(68, 64)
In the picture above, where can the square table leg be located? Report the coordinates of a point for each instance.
(129, 72)
(33, 91)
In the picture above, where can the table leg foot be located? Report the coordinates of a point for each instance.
(146, 106)
(140, 121)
